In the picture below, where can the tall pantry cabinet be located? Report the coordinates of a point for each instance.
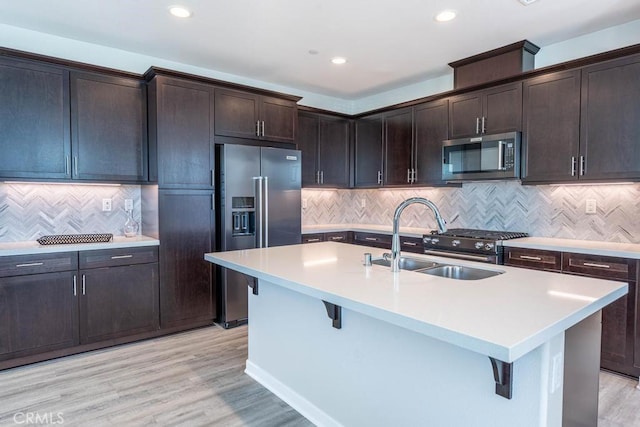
(182, 204)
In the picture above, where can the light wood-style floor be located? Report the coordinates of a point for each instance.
(192, 379)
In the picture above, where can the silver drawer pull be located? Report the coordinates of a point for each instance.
(591, 264)
(532, 258)
(337, 238)
(121, 256)
(313, 240)
(373, 239)
(410, 243)
(31, 264)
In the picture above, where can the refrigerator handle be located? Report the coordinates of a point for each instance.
(259, 226)
(266, 211)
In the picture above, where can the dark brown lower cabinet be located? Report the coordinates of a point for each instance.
(38, 313)
(118, 300)
(186, 282)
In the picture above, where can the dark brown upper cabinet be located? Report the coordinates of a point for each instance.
(324, 142)
(610, 121)
(551, 127)
(180, 133)
(431, 127)
(109, 128)
(398, 143)
(368, 151)
(252, 116)
(34, 118)
(488, 111)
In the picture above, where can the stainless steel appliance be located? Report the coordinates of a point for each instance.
(258, 207)
(470, 244)
(481, 157)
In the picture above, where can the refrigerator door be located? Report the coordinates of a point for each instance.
(281, 172)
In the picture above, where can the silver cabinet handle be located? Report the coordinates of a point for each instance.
(371, 239)
(75, 165)
(409, 176)
(257, 127)
(414, 175)
(67, 168)
(484, 121)
(30, 264)
(337, 238)
(121, 256)
(591, 264)
(84, 285)
(75, 286)
(477, 125)
(321, 177)
(583, 166)
(380, 177)
(263, 128)
(409, 243)
(532, 258)
(317, 177)
(573, 165)
(313, 240)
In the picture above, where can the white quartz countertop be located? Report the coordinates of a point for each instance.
(33, 247)
(365, 228)
(590, 247)
(504, 316)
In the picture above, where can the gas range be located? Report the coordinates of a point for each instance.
(472, 244)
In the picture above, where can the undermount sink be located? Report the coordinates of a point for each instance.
(460, 272)
(411, 264)
(449, 271)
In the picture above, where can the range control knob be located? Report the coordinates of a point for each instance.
(426, 239)
(434, 241)
(455, 243)
(489, 246)
(479, 245)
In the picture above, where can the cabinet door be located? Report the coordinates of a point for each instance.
(333, 152)
(109, 122)
(551, 131)
(368, 152)
(186, 233)
(465, 112)
(307, 140)
(38, 313)
(533, 258)
(610, 120)
(617, 352)
(398, 140)
(237, 114)
(430, 129)
(502, 109)
(118, 301)
(182, 132)
(34, 118)
(279, 118)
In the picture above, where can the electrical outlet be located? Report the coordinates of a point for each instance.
(304, 203)
(128, 204)
(363, 203)
(106, 205)
(590, 206)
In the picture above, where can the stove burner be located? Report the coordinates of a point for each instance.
(481, 234)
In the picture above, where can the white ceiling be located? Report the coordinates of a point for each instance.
(388, 43)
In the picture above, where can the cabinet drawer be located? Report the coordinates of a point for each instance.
(313, 238)
(412, 244)
(337, 236)
(603, 267)
(116, 257)
(533, 258)
(372, 239)
(20, 265)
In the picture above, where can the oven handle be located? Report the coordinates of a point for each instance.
(501, 156)
(481, 258)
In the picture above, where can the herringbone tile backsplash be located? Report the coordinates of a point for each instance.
(29, 211)
(541, 211)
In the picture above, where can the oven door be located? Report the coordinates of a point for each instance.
(482, 157)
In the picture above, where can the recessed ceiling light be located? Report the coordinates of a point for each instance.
(313, 52)
(179, 11)
(446, 15)
(338, 60)
(526, 2)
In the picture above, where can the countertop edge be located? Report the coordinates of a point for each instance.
(587, 247)
(34, 248)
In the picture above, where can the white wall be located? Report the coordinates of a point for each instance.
(45, 44)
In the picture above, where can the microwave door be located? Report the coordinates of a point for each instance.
(491, 157)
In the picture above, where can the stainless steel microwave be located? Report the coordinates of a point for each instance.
(481, 157)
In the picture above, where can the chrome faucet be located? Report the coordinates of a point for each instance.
(395, 242)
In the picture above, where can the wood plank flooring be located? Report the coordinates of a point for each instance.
(190, 379)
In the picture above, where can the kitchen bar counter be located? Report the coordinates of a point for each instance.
(410, 348)
(589, 247)
(34, 248)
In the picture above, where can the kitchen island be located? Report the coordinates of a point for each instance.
(346, 344)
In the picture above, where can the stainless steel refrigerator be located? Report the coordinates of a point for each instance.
(258, 207)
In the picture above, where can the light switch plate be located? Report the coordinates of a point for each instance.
(128, 204)
(363, 203)
(590, 206)
(106, 205)
(304, 203)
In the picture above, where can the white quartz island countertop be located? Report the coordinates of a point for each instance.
(504, 316)
(35, 248)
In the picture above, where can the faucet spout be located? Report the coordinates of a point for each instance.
(395, 242)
